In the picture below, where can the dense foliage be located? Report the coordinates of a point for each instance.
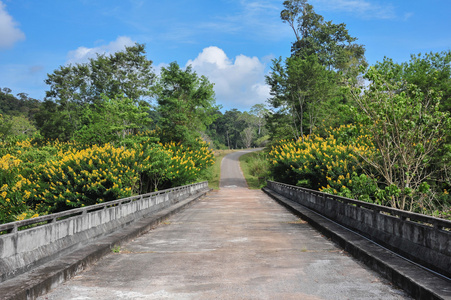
(185, 103)
(41, 178)
(89, 141)
(380, 134)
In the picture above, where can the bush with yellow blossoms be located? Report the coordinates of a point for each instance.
(78, 178)
(53, 176)
(327, 163)
(14, 190)
(188, 163)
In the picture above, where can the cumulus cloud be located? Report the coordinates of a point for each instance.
(239, 83)
(9, 33)
(83, 54)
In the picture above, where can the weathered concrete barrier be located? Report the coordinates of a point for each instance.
(422, 239)
(27, 244)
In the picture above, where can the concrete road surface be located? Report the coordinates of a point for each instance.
(234, 244)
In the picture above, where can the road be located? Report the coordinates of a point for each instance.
(235, 243)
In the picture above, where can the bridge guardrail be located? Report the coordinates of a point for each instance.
(22, 248)
(15, 226)
(420, 238)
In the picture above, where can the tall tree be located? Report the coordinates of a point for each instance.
(247, 136)
(128, 73)
(186, 103)
(305, 88)
(331, 43)
(297, 88)
(259, 112)
(431, 71)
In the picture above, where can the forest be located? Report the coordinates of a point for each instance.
(111, 127)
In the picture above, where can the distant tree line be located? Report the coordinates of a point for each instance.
(112, 96)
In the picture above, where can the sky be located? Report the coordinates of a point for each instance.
(232, 42)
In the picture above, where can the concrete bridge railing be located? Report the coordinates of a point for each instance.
(27, 244)
(420, 238)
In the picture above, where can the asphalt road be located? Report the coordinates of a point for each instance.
(234, 244)
(231, 175)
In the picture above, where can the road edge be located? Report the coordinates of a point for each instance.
(42, 280)
(418, 282)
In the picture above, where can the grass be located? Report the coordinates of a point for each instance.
(255, 168)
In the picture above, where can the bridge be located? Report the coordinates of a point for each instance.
(234, 243)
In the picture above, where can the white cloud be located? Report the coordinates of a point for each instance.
(239, 83)
(9, 33)
(363, 8)
(82, 54)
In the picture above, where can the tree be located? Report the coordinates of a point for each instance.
(259, 112)
(330, 42)
(407, 129)
(22, 126)
(112, 120)
(52, 121)
(234, 125)
(431, 71)
(306, 87)
(13, 106)
(186, 103)
(5, 127)
(247, 135)
(298, 88)
(128, 73)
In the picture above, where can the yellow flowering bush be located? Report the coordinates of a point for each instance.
(52, 176)
(152, 161)
(188, 164)
(79, 178)
(14, 189)
(329, 163)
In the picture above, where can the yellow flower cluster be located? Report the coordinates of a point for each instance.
(55, 176)
(321, 162)
(88, 176)
(9, 162)
(14, 190)
(188, 163)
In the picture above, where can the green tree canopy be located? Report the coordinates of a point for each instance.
(331, 43)
(112, 120)
(431, 71)
(186, 103)
(298, 89)
(17, 105)
(407, 129)
(127, 73)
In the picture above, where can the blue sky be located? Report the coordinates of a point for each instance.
(230, 41)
